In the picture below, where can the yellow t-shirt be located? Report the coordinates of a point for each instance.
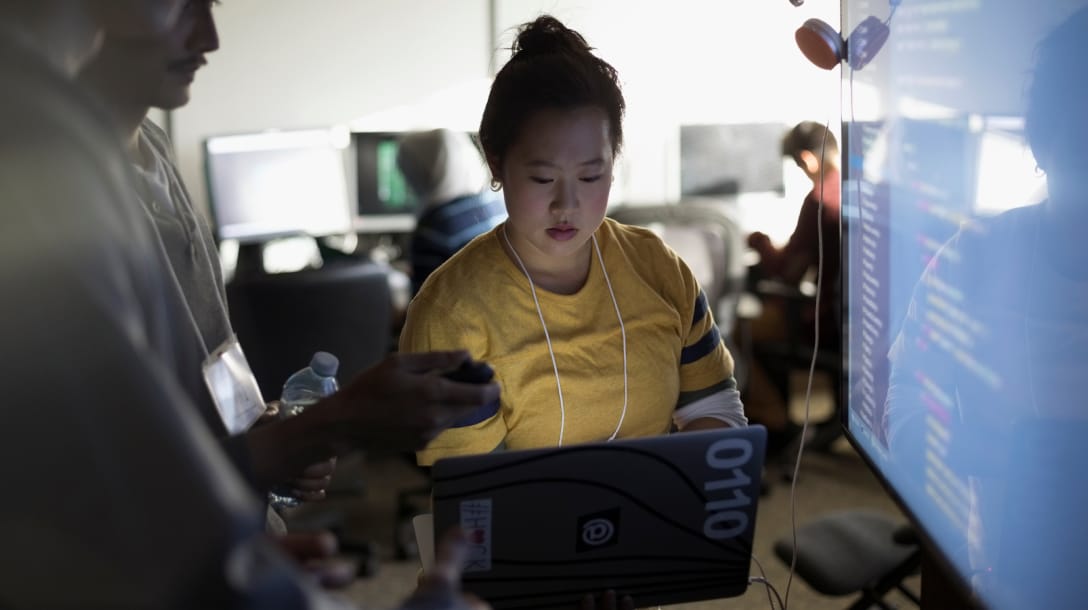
(480, 300)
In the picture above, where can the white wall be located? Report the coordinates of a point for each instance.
(693, 61)
(306, 63)
(414, 63)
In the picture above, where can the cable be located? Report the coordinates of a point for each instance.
(548, 339)
(812, 362)
(816, 329)
(894, 4)
(763, 581)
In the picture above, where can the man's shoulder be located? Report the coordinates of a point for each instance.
(62, 169)
(156, 138)
(39, 104)
(56, 150)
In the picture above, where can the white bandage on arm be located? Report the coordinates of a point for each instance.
(724, 405)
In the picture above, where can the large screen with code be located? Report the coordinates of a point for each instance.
(965, 207)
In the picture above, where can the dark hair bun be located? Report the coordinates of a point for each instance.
(546, 36)
(552, 68)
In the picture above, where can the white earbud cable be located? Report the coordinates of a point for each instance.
(548, 339)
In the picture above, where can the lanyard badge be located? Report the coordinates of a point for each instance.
(233, 387)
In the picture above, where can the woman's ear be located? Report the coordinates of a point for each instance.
(495, 167)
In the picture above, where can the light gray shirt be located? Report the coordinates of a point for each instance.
(185, 234)
(119, 496)
(196, 284)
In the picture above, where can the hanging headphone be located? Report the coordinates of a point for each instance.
(825, 47)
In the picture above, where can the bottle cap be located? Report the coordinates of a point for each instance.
(324, 364)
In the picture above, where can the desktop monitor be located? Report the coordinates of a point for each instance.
(731, 159)
(278, 183)
(385, 203)
(965, 286)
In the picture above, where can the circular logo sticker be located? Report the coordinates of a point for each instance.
(597, 531)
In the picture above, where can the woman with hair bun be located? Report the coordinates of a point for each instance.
(596, 330)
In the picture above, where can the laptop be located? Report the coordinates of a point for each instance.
(666, 519)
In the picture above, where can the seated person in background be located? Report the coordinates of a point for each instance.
(815, 150)
(445, 171)
(595, 330)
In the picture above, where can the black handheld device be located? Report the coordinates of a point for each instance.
(471, 371)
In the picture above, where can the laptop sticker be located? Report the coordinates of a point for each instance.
(598, 530)
(476, 524)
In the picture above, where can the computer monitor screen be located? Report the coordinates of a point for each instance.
(731, 159)
(266, 185)
(965, 284)
(385, 202)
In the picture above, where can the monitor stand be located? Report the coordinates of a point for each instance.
(939, 590)
(250, 260)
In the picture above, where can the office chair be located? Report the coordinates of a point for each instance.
(707, 238)
(855, 551)
(281, 319)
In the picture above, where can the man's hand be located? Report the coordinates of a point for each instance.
(441, 588)
(760, 242)
(403, 402)
(394, 407)
(608, 601)
(315, 552)
(310, 486)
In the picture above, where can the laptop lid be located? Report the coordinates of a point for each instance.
(665, 519)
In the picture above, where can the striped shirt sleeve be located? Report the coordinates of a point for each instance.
(704, 360)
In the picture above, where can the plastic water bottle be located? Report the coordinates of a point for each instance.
(302, 389)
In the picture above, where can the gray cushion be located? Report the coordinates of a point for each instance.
(842, 553)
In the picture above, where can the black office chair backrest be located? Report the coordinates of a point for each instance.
(282, 319)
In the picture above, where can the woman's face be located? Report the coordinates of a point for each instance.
(556, 179)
